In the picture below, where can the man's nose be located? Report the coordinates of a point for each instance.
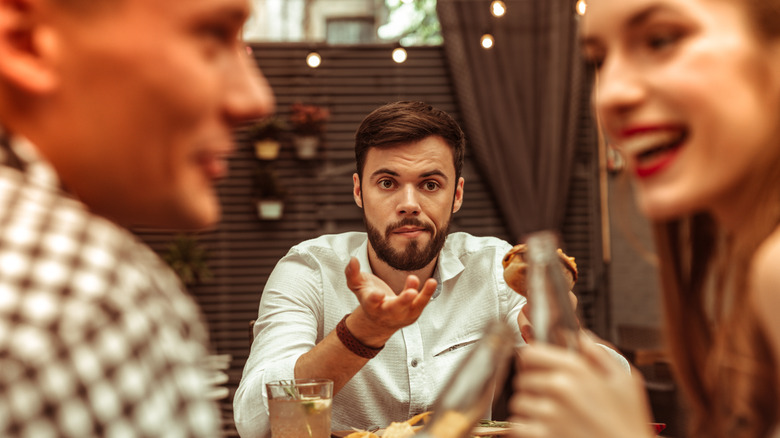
(249, 95)
(409, 203)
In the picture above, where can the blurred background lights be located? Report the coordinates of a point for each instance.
(399, 55)
(406, 2)
(486, 41)
(498, 8)
(313, 60)
(581, 7)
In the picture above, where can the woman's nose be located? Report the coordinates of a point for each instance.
(619, 87)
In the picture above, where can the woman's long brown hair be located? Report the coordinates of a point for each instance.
(720, 352)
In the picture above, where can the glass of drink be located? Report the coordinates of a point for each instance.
(300, 408)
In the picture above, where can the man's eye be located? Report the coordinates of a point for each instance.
(386, 184)
(431, 185)
(219, 33)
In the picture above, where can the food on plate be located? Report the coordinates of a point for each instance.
(398, 430)
(362, 434)
(515, 268)
(402, 429)
(452, 424)
(420, 417)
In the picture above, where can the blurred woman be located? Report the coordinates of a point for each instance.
(689, 91)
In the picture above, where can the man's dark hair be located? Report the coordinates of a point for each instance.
(407, 122)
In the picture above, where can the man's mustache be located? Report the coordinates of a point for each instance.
(408, 222)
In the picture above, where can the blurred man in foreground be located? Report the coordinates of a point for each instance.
(115, 113)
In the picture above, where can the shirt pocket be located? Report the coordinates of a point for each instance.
(459, 345)
(448, 355)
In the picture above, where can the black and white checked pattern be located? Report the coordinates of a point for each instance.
(97, 337)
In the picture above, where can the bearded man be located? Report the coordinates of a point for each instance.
(364, 327)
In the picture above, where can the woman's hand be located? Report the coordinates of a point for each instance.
(565, 394)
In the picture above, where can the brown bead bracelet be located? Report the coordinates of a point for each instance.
(352, 343)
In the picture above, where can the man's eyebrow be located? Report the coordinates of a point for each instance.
(229, 12)
(434, 173)
(384, 171)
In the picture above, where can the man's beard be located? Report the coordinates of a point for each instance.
(413, 257)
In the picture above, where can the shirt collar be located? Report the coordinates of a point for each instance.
(448, 266)
(18, 153)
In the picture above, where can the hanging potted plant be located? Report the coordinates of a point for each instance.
(187, 258)
(265, 134)
(269, 194)
(307, 125)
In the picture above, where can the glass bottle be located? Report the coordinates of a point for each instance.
(469, 394)
(552, 314)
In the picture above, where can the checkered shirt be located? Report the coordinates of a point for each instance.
(97, 337)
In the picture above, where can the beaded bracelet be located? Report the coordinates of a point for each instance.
(352, 343)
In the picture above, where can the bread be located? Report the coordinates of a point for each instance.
(515, 267)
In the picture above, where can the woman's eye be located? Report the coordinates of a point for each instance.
(662, 40)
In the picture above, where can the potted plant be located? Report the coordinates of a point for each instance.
(265, 134)
(307, 125)
(269, 194)
(187, 258)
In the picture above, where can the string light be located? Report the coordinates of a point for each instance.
(399, 55)
(487, 41)
(498, 8)
(313, 60)
(582, 5)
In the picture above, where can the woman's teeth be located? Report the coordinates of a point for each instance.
(646, 146)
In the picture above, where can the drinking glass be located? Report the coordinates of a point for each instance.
(300, 408)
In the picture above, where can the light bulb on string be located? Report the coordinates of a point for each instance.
(487, 41)
(497, 8)
(313, 60)
(399, 55)
(581, 7)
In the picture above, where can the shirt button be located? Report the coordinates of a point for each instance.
(414, 363)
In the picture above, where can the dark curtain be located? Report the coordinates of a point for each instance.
(520, 101)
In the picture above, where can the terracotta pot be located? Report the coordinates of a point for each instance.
(270, 209)
(267, 149)
(306, 146)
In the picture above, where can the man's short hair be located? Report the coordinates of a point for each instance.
(408, 122)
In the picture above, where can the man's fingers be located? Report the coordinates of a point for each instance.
(352, 273)
(425, 294)
(412, 282)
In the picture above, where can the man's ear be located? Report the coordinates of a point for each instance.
(458, 201)
(28, 46)
(356, 193)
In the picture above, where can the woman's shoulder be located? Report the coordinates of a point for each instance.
(764, 270)
(765, 276)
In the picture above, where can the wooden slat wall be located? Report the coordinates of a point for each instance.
(352, 81)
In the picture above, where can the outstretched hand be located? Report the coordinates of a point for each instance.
(381, 312)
